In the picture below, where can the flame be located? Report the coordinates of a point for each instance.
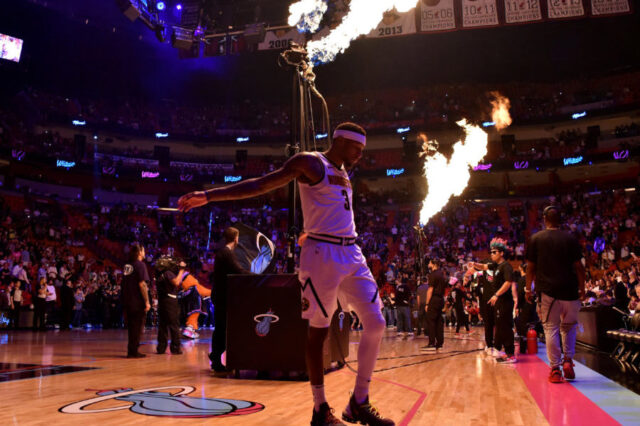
(500, 113)
(363, 17)
(447, 178)
(307, 14)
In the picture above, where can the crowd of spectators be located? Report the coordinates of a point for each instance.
(58, 253)
(376, 110)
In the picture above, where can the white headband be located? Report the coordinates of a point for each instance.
(348, 134)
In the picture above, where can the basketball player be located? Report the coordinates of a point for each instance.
(331, 264)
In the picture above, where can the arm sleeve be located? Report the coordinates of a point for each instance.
(508, 272)
(530, 253)
(141, 271)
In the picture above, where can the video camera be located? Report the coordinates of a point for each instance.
(169, 263)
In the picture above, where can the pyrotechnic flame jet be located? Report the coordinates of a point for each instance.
(363, 17)
(500, 113)
(449, 177)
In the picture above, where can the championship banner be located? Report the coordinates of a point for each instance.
(518, 11)
(609, 7)
(395, 24)
(281, 39)
(437, 15)
(479, 13)
(559, 9)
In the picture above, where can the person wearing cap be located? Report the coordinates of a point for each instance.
(554, 263)
(332, 266)
(503, 300)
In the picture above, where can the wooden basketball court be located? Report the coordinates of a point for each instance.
(457, 386)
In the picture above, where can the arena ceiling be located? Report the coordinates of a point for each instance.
(89, 46)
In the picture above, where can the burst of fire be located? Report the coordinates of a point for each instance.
(447, 178)
(500, 113)
(307, 14)
(363, 17)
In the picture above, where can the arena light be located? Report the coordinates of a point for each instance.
(321, 135)
(150, 175)
(65, 164)
(178, 6)
(488, 124)
(402, 130)
(228, 179)
(160, 5)
(483, 167)
(579, 115)
(79, 123)
(17, 154)
(572, 160)
(395, 172)
(621, 155)
(519, 165)
(162, 135)
(242, 139)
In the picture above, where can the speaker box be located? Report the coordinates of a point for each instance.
(129, 10)
(265, 329)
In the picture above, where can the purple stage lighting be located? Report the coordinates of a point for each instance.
(178, 6)
(160, 5)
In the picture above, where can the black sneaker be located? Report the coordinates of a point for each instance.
(364, 413)
(428, 348)
(136, 355)
(325, 416)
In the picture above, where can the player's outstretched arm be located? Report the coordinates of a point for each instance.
(304, 166)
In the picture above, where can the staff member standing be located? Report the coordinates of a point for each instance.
(225, 264)
(169, 310)
(504, 300)
(487, 288)
(554, 263)
(135, 297)
(435, 304)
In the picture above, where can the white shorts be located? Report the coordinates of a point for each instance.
(330, 273)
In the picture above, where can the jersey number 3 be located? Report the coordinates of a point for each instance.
(347, 206)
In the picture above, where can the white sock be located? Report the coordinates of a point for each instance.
(318, 396)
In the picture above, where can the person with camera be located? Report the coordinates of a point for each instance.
(171, 273)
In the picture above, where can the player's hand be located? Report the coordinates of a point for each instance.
(192, 200)
(147, 307)
(493, 300)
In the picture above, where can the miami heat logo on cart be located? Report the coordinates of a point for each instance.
(264, 322)
(162, 403)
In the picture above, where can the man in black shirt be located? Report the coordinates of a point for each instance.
(435, 304)
(225, 264)
(135, 297)
(554, 263)
(487, 288)
(168, 283)
(503, 300)
(459, 301)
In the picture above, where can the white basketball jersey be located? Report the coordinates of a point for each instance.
(326, 206)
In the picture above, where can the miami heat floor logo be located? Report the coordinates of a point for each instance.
(159, 402)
